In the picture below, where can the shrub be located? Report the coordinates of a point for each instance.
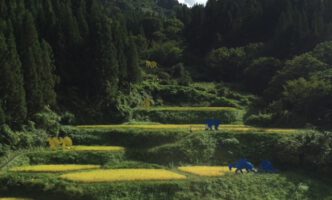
(73, 157)
(8, 137)
(67, 118)
(48, 121)
(262, 120)
(189, 115)
(14, 140)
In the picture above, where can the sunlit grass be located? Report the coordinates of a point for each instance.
(13, 198)
(97, 148)
(116, 175)
(191, 127)
(53, 168)
(205, 170)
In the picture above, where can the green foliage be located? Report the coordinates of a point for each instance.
(68, 157)
(8, 137)
(2, 116)
(11, 80)
(193, 149)
(323, 52)
(166, 54)
(181, 74)
(15, 140)
(67, 118)
(309, 99)
(260, 72)
(227, 116)
(300, 66)
(131, 138)
(230, 187)
(226, 64)
(48, 121)
(261, 120)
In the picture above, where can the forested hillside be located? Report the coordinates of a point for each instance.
(99, 59)
(155, 100)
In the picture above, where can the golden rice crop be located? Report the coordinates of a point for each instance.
(206, 170)
(97, 148)
(53, 168)
(13, 198)
(116, 175)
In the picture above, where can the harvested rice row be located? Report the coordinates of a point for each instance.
(53, 168)
(97, 148)
(206, 170)
(116, 175)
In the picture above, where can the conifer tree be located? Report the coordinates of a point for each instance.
(134, 72)
(15, 104)
(11, 80)
(47, 75)
(30, 48)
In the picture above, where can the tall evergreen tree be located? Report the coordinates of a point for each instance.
(30, 48)
(134, 72)
(106, 59)
(47, 75)
(11, 78)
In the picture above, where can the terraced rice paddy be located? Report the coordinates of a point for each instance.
(13, 198)
(192, 127)
(53, 168)
(116, 175)
(97, 148)
(206, 170)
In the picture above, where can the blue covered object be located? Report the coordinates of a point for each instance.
(213, 124)
(266, 166)
(241, 165)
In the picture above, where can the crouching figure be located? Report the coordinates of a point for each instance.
(241, 165)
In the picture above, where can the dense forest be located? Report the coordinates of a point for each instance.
(97, 59)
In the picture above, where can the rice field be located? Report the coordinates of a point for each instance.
(97, 148)
(117, 175)
(238, 128)
(210, 171)
(13, 198)
(52, 168)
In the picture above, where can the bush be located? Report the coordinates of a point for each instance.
(67, 157)
(48, 121)
(8, 137)
(192, 116)
(261, 120)
(129, 138)
(67, 118)
(13, 140)
(311, 151)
